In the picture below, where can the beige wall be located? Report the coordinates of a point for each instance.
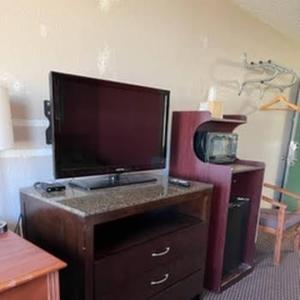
(182, 45)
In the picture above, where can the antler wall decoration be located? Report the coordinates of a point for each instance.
(273, 71)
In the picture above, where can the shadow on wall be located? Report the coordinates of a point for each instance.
(19, 108)
(250, 100)
(228, 89)
(28, 133)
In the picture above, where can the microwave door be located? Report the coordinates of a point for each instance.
(217, 148)
(222, 148)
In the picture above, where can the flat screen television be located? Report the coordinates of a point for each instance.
(105, 127)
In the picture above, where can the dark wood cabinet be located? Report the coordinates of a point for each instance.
(138, 242)
(144, 270)
(241, 179)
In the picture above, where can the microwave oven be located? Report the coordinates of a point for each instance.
(216, 147)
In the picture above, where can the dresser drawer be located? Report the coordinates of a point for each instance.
(188, 288)
(144, 270)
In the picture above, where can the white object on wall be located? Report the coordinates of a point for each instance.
(6, 131)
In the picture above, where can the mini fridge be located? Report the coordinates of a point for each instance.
(237, 222)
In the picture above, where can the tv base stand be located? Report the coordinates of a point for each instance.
(111, 181)
(135, 242)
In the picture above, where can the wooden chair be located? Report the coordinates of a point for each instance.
(278, 221)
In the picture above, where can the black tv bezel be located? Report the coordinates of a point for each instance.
(54, 100)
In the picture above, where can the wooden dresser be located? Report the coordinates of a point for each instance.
(145, 241)
(26, 271)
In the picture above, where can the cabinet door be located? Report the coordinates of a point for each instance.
(292, 176)
(235, 235)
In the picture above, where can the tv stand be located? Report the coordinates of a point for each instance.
(111, 181)
(136, 242)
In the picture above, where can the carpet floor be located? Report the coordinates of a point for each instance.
(267, 282)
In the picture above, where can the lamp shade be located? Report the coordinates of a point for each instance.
(6, 131)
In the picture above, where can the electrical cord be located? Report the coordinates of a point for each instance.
(37, 185)
(18, 229)
(3, 227)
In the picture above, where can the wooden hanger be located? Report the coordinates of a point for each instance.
(280, 99)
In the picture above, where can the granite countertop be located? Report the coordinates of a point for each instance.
(87, 203)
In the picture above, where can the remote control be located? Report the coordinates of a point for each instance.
(180, 182)
(50, 187)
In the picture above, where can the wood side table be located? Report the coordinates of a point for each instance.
(26, 271)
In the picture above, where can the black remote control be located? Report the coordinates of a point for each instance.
(180, 182)
(50, 187)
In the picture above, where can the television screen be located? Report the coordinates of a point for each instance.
(102, 127)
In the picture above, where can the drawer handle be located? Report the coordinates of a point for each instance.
(166, 251)
(166, 277)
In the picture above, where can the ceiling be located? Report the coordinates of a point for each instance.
(283, 15)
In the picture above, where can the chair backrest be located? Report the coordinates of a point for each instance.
(284, 195)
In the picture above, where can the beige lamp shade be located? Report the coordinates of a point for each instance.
(6, 131)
